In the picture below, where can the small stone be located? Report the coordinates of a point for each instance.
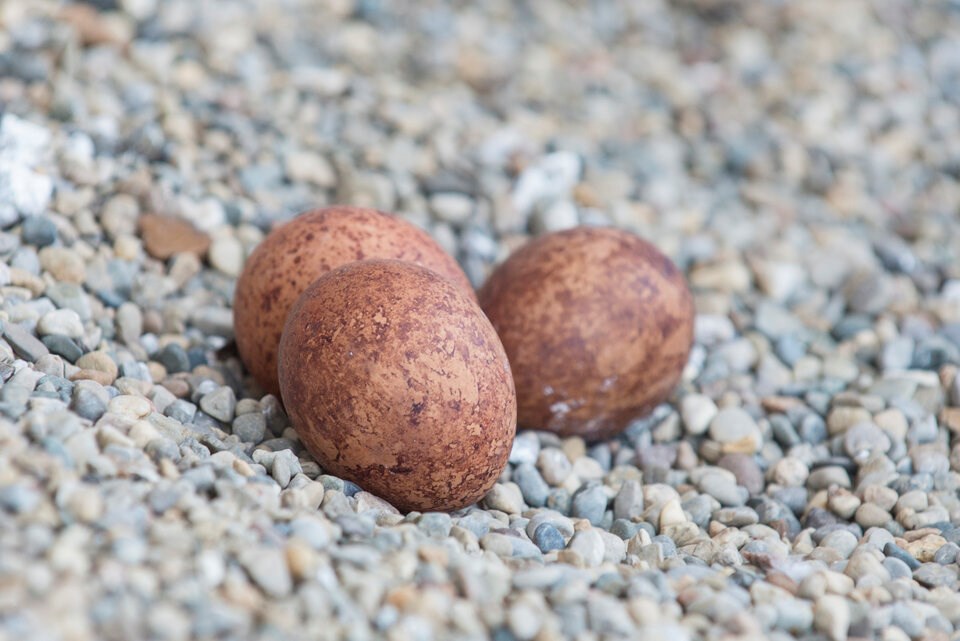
(864, 439)
(87, 404)
(64, 322)
(97, 366)
(63, 264)
(130, 406)
(531, 484)
(505, 497)
(548, 538)
(590, 502)
(697, 412)
(25, 344)
(745, 470)
(893, 550)
(589, 545)
(250, 428)
(181, 411)
(174, 358)
(736, 431)
(451, 207)
(628, 503)
(164, 236)
(129, 321)
(226, 255)
(220, 404)
(268, 568)
(671, 514)
(831, 616)
(554, 465)
(933, 575)
(843, 418)
(38, 231)
(309, 167)
(526, 448)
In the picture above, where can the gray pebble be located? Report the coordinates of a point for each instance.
(590, 502)
(251, 428)
(548, 538)
(38, 231)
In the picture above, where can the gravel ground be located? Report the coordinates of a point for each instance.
(798, 159)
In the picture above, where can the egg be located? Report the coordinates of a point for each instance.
(393, 378)
(295, 254)
(597, 324)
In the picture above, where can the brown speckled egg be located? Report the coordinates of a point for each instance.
(295, 254)
(598, 325)
(394, 379)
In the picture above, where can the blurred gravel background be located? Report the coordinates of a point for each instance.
(798, 159)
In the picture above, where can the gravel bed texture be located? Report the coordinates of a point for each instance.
(798, 159)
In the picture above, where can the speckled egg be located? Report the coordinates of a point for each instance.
(295, 254)
(598, 325)
(393, 378)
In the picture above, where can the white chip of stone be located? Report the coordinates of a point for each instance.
(130, 406)
(226, 255)
(61, 321)
(697, 411)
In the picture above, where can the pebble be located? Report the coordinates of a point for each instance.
(505, 497)
(173, 358)
(588, 544)
(548, 538)
(226, 255)
(220, 404)
(165, 236)
(97, 366)
(736, 431)
(63, 322)
(39, 231)
(590, 502)
(268, 568)
(250, 428)
(698, 412)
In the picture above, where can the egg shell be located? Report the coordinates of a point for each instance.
(393, 378)
(296, 253)
(598, 326)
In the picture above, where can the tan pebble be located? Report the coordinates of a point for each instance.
(177, 386)
(843, 503)
(33, 284)
(884, 497)
(434, 554)
(86, 504)
(301, 559)
(950, 416)
(63, 264)
(126, 247)
(840, 419)
(574, 447)
(184, 266)
(672, 514)
(924, 549)
(109, 435)
(169, 469)
(93, 375)
(142, 432)
(99, 361)
(157, 371)
(243, 468)
(164, 236)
